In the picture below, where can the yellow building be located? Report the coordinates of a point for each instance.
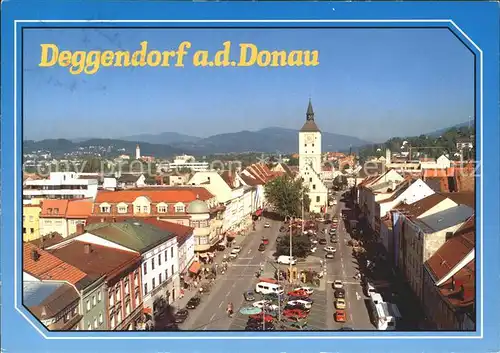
(31, 221)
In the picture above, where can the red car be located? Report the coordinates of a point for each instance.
(340, 316)
(265, 241)
(298, 293)
(294, 312)
(267, 318)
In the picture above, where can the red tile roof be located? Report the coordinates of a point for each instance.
(429, 173)
(462, 198)
(162, 194)
(100, 261)
(66, 208)
(452, 251)
(48, 266)
(459, 291)
(229, 178)
(418, 208)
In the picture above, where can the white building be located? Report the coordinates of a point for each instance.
(137, 152)
(157, 247)
(60, 185)
(230, 190)
(185, 162)
(310, 162)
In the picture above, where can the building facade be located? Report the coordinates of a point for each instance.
(63, 216)
(31, 222)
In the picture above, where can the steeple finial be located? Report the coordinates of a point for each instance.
(310, 111)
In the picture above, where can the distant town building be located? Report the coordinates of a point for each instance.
(60, 185)
(184, 162)
(137, 152)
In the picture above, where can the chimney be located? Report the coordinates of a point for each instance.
(80, 228)
(35, 255)
(87, 248)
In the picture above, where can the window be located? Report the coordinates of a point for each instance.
(32, 230)
(126, 288)
(172, 270)
(153, 263)
(94, 301)
(100, 318)
(122, 208)
(314, 186)
(317, 198)
(111, 299)
(24, 230)
(166, 274)
(179, 208)
(305, 144)
(99, 296)
(145, 268)
(31, 218)
(88, 305)
(166, 255)
(89, 326)
(145, 209)
(105, 208)
(127, 309)
(118, 293)
(136, 278)
(159, 278)
(112, 321)
(171, 252)
(145, 288)
(138, 209)
(313, 144)
(310, 179)
(159, 259)
(153, 283)
(162, 209)
(95, 322)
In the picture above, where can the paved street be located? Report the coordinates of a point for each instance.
(229, 288)
(343, 268)
(211, 313)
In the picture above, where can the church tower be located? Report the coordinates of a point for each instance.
(310, 142)
(310, 162)
(137, 152)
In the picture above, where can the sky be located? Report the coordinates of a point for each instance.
(371, 83)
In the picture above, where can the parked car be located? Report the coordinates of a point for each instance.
(265, 241)
(340, 303)
(233, 255)
(299, 302)
(249, 295)
(298, 293)
(340, 316)
(236, 249)
(313, 249)
(267, 225)
(221, 247)
(261, 317)
(337, 284)
(181, 316)
(288, 313)
(306, 299)
(339, 293)
(321, 220)
(262, 247)
(193, 303)
(322, 241)
(332, 231)
(330, 255)
(330, 249)
(265, 304)
(287, 260)
(308, 290)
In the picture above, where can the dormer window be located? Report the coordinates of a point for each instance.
(122, 207)
(162, 208)
(105, 207)
(142, 205)
(56, 211)
(179, 208)
(49, 210)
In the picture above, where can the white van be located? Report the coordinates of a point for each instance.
(370, 289)
(268, 288)
(287, 260)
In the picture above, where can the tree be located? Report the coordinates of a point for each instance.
(301, 245)
(293, 161)
(286, 195)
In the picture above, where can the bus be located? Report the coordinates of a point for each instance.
(383, 315)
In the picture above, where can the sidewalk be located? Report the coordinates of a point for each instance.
(189, 293)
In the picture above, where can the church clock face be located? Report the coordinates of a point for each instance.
(309, 138)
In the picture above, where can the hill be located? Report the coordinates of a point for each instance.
(442, 131)
(268, 140)
(104, 147)
(162, 138)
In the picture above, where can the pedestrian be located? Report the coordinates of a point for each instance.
(230, 309)
(195, 284)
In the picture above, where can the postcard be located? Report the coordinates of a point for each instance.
(211, 172)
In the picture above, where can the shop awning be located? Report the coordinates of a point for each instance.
(258, 213)
(195, 267)
(147, 310)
